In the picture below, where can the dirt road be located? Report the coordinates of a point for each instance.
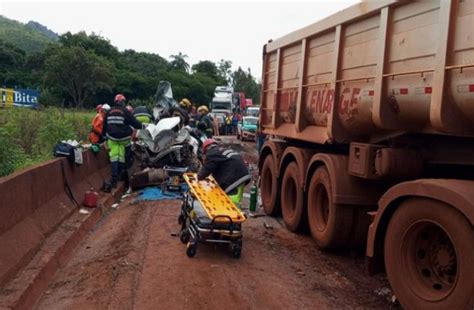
(133, 260)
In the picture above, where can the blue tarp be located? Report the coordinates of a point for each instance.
(155, 193)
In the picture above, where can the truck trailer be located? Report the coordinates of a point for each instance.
(369, 118)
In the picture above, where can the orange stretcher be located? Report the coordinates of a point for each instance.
(209, 216)
(213, 199)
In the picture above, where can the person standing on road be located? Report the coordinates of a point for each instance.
(235, 122)
(260, 137)
(117, 130)
(204, 122)
(95, 136)
(227, 167)
(192, 116)
(228, 124)
(186, 105)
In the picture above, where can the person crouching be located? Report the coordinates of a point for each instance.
(227, 168)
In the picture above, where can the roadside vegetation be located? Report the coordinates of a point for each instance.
(81, 70)
(27, 136)
(77, 72)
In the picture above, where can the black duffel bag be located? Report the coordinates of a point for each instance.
(62, 149)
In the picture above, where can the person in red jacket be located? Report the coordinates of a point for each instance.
(95, 136)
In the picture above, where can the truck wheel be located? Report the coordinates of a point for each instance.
(330, 223)
(292, 204)
(428, 256)
(268, 186)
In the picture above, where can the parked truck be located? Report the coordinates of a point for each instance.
(239, 101)
(370, 119)
(220, 106)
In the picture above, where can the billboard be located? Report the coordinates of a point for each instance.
(15, 97)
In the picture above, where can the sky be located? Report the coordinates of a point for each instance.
(228, 30)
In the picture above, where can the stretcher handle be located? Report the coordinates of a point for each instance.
(226, 217)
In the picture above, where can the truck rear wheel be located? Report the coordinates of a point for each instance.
(330, 223)
(292, 207)
(428, 256)
(269, 186)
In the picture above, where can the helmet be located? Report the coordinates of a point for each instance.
(129, 108)
(185, 103)
(105, 107)
(206, 144)
(98, 108)
(119, 98)
(203, 108)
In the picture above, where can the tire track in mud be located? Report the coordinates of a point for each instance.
(105, 269)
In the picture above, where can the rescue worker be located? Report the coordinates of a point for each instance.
(204, 121)
(95, 136)
(185, 104)
(142, 114)
(98, 108)
(117, 129)
(192, 116)
(227, 167)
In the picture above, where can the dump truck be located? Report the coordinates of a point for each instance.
(369, 118)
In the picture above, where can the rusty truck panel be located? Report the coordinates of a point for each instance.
(376, 67)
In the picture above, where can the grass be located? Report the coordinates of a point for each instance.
(27, 136)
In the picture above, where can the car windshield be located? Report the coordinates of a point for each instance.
(253, 112)
(250, 121)
(221, 105)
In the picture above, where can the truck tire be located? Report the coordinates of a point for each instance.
(330, 224)
(292, 204)
(429, 256)
(269, 186)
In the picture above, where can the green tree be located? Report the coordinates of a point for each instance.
(179, 63)
(99, 45)
(147, 64)
(224, 70)
(78, 73)
(206, 67)
(243, 81)
(209, 69)
(12, 60)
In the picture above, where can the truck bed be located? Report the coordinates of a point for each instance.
(376, 69)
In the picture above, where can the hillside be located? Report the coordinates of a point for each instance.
(43, 29)
(31, 38)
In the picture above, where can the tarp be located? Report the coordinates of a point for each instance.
(155, 193)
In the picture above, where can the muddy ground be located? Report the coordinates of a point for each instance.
(133, 259)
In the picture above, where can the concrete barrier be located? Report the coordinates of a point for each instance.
(33, 202)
